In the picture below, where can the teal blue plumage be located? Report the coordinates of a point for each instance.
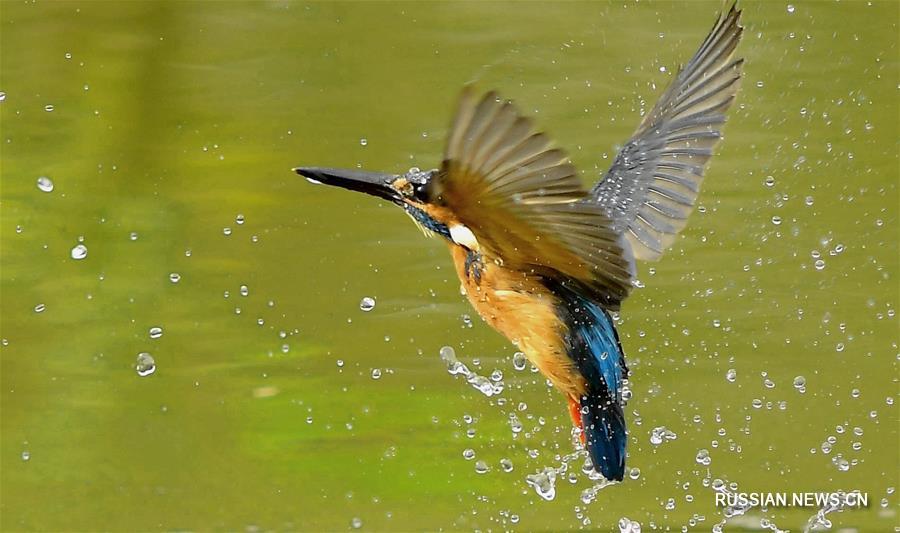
(592, 342)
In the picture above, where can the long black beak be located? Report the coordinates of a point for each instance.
(374, 183)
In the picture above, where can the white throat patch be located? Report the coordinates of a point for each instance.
(463, 236)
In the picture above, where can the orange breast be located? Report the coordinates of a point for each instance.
(522, 310)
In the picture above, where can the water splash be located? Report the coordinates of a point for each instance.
(661, 434)
(478, 382)
(543, 482)
(588, 495)
(835, 503)
(730, 511)
(703, 457)
(626, 525)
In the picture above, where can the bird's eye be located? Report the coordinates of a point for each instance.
(422, 193)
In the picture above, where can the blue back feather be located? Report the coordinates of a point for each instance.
(593, 344)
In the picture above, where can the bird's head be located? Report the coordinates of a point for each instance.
(415, 191)
(503, 190)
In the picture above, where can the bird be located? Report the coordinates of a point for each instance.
(547, 262)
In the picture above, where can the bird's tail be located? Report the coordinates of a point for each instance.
(603, 423)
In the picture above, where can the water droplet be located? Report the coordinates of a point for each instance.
(48, 108)
(79, 251)
(790, 8)
(239, 219)
(363, 142)
(703, 457)
(544, 483)
(468, 454)
(770, 181)
(506, 465)
(819, 264)
(376, 373)
(481, 467)
(26, 455)
(133, 236)
(731, 375)
(145, 364)
(39, 308)
(367, 304)
(769, 384)
(776, 220)
(809, 200)
(635, 473)
(156, 332)
(800, 384)
(245, 290)
(174, 277)
(356, 523)
(45, 184)
(226, 231)
(842, 464)
(661, 434)
(515, 424)
(627, 525)
(2, 96)
(519, 361)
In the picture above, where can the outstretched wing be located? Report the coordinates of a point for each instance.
(653, 183)
(522, 200)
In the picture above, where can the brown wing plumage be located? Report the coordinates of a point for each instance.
(654, 181)
(522, 200)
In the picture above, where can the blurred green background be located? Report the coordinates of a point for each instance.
(161, 125)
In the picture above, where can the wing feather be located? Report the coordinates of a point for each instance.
(653, 183)
(524, 203)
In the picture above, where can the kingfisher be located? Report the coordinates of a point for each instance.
(547, 262)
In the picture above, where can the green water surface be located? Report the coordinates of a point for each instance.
(289, 408)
